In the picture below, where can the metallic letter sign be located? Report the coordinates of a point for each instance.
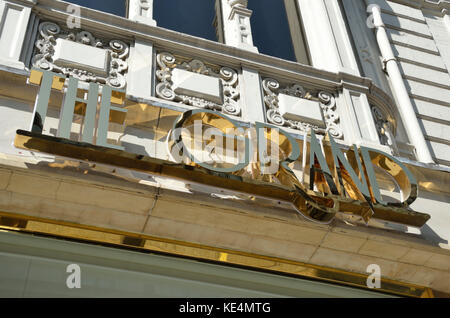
(333, 181)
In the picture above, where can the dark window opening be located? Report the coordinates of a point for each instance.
(270, 28)
(194, 17)
(117, 7)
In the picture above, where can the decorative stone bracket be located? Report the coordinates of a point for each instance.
(81, 55)
(384, 128)
(195, 84)
(294, 107)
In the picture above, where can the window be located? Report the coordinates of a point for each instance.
(194, 17)
(275, 23)
(117, 7)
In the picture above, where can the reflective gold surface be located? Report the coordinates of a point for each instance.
(307, 200)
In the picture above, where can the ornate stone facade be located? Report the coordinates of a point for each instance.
(228, 79)
(112, 55)
(326, 100)
(384, 128)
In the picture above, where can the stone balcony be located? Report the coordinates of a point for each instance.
(125, 53)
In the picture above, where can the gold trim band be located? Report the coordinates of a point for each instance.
(113, 238)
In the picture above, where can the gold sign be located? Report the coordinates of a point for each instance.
(332, 180)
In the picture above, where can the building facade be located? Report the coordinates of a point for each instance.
(94, 200)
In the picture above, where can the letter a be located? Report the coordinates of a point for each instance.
(74, 279)
(374, 279)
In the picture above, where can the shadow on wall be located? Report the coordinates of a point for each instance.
(430, 235)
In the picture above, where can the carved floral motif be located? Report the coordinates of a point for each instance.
(118, 51)
(327, 104)
(384, 128)
(228, 76)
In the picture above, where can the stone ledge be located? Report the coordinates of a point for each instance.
(242, 225)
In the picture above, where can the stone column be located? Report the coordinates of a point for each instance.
(357, 120)
(236, 26)
(253, 105)
(140, 71)
(319, 34)
(141, 11)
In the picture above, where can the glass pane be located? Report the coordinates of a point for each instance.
(116, 7)
(194, 17)
(270, 28)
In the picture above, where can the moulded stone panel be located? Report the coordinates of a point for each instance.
(72, 54)
(437, 130)
(383, 250)
(352, 262)
(127, 221)
(4, 179)
(5, 199)
(439, 261)
(428, 92)
(61, 210)
(280, 248)
(412, 40)
(197, 85)
(286, 231)
(95, 216)
(399, 9)
(104, 197)
(440, 29)
(440, 151)
(34, 185)
(416, 257)
(406, 24)
(140, 69)
(13, 25)
(205, 215)
(425, 73)
(441, 282)
(26, 204)
(431, 109)
(414, 56)
(341, 242)
(300, 109)
(406, 272)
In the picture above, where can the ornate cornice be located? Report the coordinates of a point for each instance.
(325, 100)
(125, 29)
(227, 76)
(116, 53)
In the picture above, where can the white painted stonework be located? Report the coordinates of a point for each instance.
(236, 24)
(198, 85)
(384, 87)
(72, 54)
(14, 17)
(301, 109)
(141, 11)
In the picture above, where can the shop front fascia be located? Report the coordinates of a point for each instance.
(121, 188)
